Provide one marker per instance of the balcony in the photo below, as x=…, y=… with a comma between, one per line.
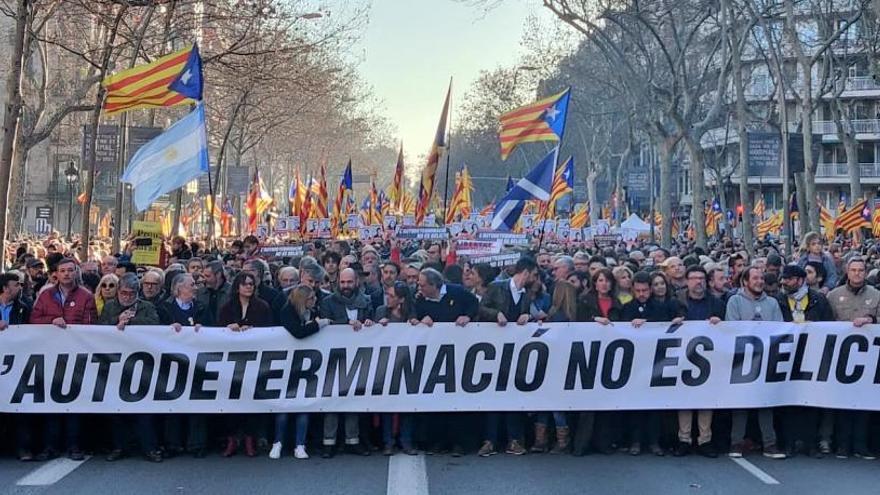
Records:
x=841, y=170
x=861, y=126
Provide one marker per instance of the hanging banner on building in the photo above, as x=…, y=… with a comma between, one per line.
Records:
x=479, y=367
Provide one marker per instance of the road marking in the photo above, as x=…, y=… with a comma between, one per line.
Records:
x=407, y=475
x=50, y=473
x=755, y=471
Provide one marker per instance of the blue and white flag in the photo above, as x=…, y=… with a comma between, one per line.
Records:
x=536, y=185
x=170, y=160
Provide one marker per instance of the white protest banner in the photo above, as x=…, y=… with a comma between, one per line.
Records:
x=479, y=367
x=497, y=260
x=506, y=238
x=472, y=248
x=280, y=251
x=420, y=233
x=287, y=224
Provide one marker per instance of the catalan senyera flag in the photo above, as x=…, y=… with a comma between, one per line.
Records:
x=875, y=221
x=321, y=196
x=258, y=201
x=104, y=226
x=395, y=193
x=772, y=225
x=375, y=205
x=426, y=185
x=563, y=183
x=175, y=79
x=488, y=209
x=841, y=204
x=581, y=216
x=345, y=185
x=826, y=220
x=793, y=210
x=408, y=205
x=461, y=205
x=759, y=208
x=855, y=218
x=451, y=207
x=543, y=120
x=306, y=211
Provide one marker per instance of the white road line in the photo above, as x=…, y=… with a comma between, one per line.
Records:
x=755, y=471
x=407, y=475
x=50, y=473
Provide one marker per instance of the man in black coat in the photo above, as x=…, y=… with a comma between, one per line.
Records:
x=438, y=301
x=13, y=311
x=800, y=304
x=508, y=301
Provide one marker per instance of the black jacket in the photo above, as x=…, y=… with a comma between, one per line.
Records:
x=818, y=307
x=588, y=308
x=498, y=299
x=457, y=301
x=20, y=313
x=258, y=313
x=170, y=312
x=294, y=324
x=651, y=310
x=333, y=307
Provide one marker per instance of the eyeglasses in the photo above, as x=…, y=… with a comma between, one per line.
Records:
x=107, y=286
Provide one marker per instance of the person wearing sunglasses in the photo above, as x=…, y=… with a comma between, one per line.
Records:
x=106, y=291
x=244, y=311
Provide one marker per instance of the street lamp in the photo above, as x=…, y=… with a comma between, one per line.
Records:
x=72, y=176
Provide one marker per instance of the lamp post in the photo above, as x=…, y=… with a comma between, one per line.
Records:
x=72, y=176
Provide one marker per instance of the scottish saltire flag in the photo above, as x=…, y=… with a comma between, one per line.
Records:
x=170, y=160
x=535, y=185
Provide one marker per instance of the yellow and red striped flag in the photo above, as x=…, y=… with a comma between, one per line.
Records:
x=759, y=209
x=543, y=120
x=258, y=201
x=772, y=225
x=147, y=85
x=395, y=193
x=826, y=220
x=426, y=186
x=855, y=218
x=581, y=216
x=321, y=196
x=875, y=222
x=563, y=182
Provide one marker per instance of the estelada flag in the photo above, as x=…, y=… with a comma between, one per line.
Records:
x=175, y=79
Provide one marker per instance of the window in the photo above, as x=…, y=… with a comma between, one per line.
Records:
x=866, y=153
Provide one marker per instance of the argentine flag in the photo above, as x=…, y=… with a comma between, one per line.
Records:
x=170, y=160
x=534, y=186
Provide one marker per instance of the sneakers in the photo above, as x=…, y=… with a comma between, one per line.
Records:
x=388, y=450
x=300, y=452
x=115, y=455
x=327, y=451
x=275, y=453
x=514, y=448
x=736, y=450
x=487, y=449
x=457, y=451
x=825, y=447
x=154, y=456
x=842, y=453
x=864, y=454
x=657, y=450
x=773, y=452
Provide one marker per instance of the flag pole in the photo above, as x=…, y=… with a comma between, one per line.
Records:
x=448, y=154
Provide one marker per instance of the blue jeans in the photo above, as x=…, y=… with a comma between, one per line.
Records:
x=513, y=422
x=302, y=427
x=559, y=419
x=407, y=425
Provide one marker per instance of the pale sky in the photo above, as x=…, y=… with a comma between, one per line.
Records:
x=412, y=47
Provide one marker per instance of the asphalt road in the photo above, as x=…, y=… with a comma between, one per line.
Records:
x=420, y=475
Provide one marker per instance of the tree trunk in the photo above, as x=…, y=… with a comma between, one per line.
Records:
x=698, y=189
x=665, y=150
x=592, y=197
x=18, y=183
x=11, y=118
x=810, y=211
x=89, y=184
x=742, y=132
x=852, y=164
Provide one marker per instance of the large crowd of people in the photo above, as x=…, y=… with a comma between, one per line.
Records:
x=422, y=282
